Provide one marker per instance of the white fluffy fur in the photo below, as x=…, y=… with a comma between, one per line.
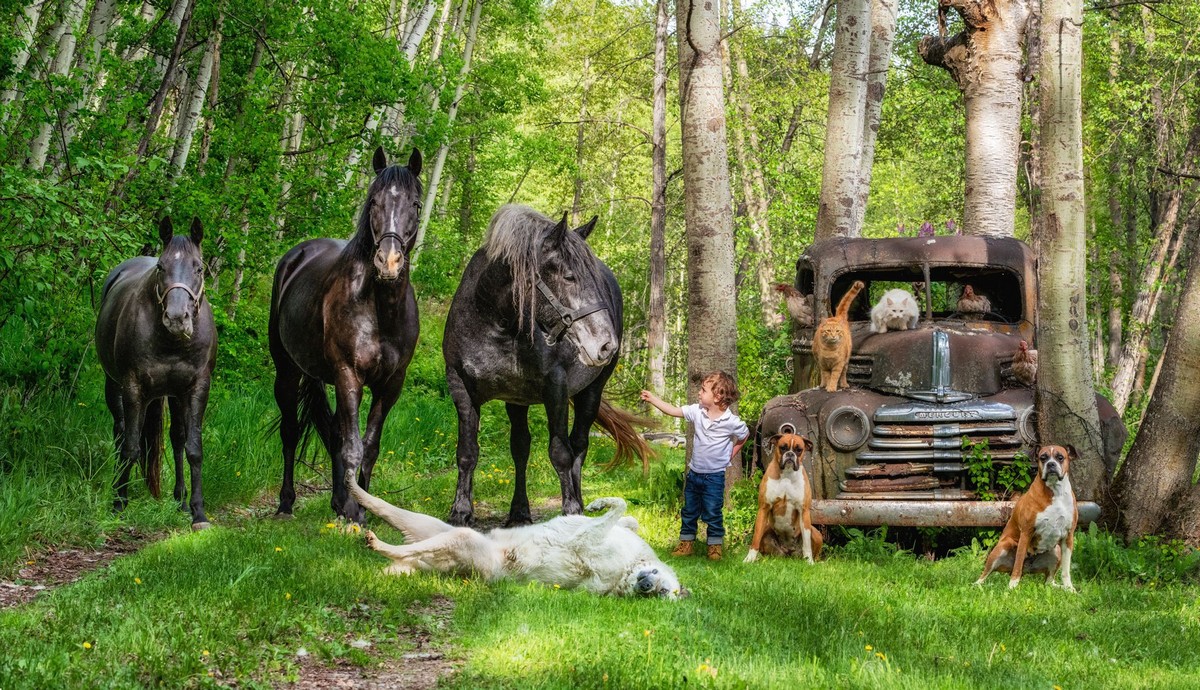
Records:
x=897, y=310
x=603, y=555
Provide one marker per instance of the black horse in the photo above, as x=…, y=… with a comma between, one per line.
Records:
x=536, y=320
x=343, y=313
x=155, y=339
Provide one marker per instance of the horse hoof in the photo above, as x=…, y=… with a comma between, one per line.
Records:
x=204, y=524
x=283, y=516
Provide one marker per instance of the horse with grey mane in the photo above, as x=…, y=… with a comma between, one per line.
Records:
x=343, y=313
x=536, y=320
x=156, y=342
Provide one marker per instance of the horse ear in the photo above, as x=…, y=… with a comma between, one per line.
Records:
x=414, y=162
x=379, y=160
x=559, y=231
x=165, y=230
x=587, y=228
x=197, y=231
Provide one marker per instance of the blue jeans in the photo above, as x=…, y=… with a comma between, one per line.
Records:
x=703, y=498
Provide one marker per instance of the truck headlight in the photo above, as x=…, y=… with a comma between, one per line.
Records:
x=847, y=428
x=1027, y=426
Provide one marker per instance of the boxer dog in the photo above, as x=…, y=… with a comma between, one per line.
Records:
x=1040, y=533
x=785, y=502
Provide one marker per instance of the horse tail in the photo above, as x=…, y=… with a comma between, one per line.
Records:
x=620, y=425
x=152, y=447
x=314, y=413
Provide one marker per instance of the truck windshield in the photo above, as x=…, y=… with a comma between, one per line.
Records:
x=1000, y=289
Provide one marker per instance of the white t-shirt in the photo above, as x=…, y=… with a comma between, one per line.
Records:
x=713, y=441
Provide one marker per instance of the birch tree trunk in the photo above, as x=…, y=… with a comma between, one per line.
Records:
x=194, y=104
x=986, y=63
x=838, y=213
x=64, y=57
x=408, y=48
x=1157, y=475
x=754, y=184
x=708, y=213
x=577, y=200
x=88, y=67
x=1145, y=305
x=656, y=326
x=440, y=164
x=24, y=31
x=883, y=31
x=1066, y=399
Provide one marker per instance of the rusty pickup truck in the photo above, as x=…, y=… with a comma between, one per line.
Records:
x=895, y=448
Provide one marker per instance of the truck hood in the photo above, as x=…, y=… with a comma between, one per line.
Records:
x=938, y=362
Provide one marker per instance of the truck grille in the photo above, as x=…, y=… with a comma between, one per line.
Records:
x=916, y=450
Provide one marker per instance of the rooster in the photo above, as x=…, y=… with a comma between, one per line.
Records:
x=973, y=303
x=1024, y=364
x=799, y=305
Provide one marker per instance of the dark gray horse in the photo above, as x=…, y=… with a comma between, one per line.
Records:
x=344, y=314
x=536, y=320
x=155, y=339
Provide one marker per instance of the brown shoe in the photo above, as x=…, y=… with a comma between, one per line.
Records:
x=684, y=549
x=714, y=552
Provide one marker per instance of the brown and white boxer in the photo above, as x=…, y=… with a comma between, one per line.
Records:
x=1040, y=533
x=784, y=524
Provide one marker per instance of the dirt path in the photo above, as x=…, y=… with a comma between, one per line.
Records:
x=59, y=567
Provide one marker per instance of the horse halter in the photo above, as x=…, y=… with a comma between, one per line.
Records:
x=196, y=295
x=566, y=317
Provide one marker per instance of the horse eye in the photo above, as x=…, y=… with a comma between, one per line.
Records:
x=569, y=277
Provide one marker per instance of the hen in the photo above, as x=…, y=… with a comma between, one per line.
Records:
x=799, y=305
x=1024, y=364
x=973, y=303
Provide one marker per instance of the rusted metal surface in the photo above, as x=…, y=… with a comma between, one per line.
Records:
x=913, y=483
x=894, y=470
x=931, y=513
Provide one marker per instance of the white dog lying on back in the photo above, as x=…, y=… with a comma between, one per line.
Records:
x=603, y=554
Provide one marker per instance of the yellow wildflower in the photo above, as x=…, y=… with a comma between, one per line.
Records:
x=287, y=595
x=137, y=580
x=204, y=652
x=646, y=633
x=87, y=645
x=869, y=648
x=278, y=548
x=330, y=525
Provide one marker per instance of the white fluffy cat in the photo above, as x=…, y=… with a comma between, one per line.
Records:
x=897, y=309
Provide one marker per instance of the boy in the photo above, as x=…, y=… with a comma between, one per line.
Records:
x=717, y=438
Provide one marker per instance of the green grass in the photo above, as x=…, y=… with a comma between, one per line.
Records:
x=252, y=591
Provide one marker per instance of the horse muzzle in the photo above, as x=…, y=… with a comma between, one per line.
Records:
x=389, y=265
x=180, y=326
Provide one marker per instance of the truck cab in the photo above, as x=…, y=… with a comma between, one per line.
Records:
x=903, y=444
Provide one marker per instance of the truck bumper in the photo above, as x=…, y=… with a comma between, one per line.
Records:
x=926, y=513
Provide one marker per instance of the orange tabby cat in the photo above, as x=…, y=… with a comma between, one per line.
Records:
x=831, y=345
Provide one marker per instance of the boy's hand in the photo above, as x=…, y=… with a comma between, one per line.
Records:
x=663, y=406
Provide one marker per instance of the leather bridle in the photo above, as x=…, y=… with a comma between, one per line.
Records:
x=566, y=317
x=196, y=295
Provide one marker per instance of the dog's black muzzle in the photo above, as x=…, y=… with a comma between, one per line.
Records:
x=789, y=460
x=647, y=582
x=1052, y=468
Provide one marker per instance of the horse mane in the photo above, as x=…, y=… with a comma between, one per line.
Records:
x=363, y=243
x=515, y=236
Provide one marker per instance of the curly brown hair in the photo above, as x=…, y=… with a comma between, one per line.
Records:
x=724, y=388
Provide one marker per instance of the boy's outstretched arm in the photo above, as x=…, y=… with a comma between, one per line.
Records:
x=662, y=405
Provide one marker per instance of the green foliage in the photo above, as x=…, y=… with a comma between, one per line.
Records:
x=995, y=480
x=869, y=546
x=1150, y=561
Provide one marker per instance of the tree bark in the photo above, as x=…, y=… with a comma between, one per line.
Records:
x=1153, y=486
x=985, y=61
x=64, y=57
x=88, y=67
x=25, y=30
x=883, y=31
x=1066, y=399
x=193, y=105
x=656, y=327
x=1145, y=305
x=838, y=213
x=440, y=164
x=708, y=213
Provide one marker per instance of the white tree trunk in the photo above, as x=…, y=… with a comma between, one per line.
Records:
x=986, y=60
x=137, y=51
x=440, y=164
x=883, y=31
x=656, y=328
x=88, y=66
x=194, y=104
x=708, y=212
x=24, y=31
x=64, y=57
x=1066, y=398
x=838, y=213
